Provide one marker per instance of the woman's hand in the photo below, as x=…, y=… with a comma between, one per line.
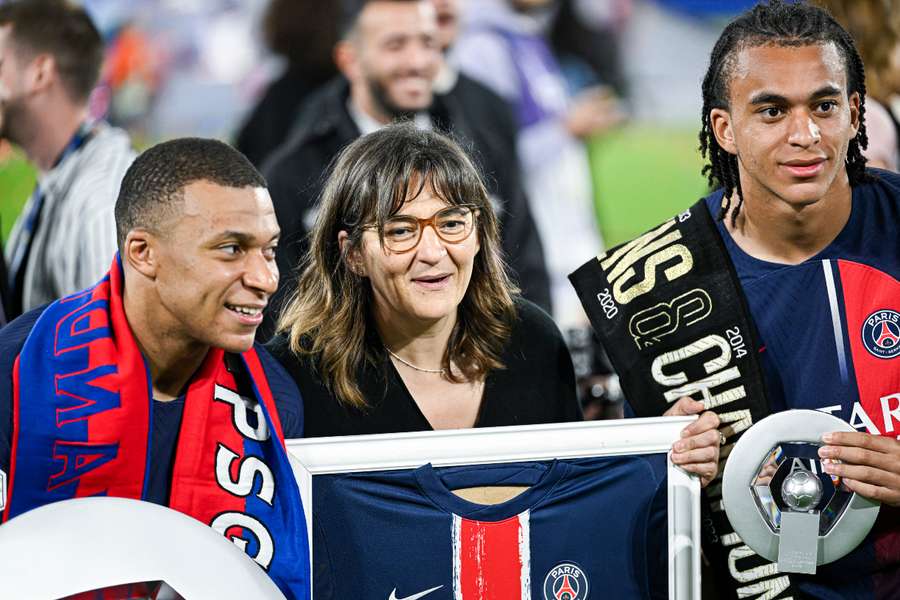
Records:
x=698, y=449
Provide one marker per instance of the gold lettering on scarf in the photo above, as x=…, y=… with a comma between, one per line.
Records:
x=620, y=265
x=650, y=325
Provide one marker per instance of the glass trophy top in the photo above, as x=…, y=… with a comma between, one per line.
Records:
x=790, y=478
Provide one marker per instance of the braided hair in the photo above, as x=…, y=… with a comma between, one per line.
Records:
x=780, y=24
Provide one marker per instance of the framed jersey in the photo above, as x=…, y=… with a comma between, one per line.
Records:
x=590, y=510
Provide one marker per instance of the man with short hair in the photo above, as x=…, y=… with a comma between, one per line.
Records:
x=808, y=239
x=390, y=57
x=50, y=59
x=148, y=385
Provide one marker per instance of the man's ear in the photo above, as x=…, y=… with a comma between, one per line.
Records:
x=720, y=121
x=41, y=72
x=351, y=254
x=854, y=112
x=346, y=58
x=140, y=251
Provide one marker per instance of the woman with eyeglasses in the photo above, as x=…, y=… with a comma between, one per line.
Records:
x=404, y=317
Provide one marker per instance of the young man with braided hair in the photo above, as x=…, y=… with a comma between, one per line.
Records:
x=805, y=236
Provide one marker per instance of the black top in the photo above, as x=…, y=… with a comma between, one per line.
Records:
x=166, y=415
x=297, y=170
x=537, y=386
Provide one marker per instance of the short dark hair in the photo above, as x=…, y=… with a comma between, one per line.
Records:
x=352, y=9
x=65, y=31
x=304, y=32
x=776, y=23
x=156, y=179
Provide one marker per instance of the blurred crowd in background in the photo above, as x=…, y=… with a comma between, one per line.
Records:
x=604, y=94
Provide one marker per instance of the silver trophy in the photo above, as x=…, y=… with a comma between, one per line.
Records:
x=781, y=502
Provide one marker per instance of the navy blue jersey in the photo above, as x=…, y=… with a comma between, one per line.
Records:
x=829, y=330
x=585, y=528
x=166, y=415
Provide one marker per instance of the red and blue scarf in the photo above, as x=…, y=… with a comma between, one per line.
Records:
x=82, y=418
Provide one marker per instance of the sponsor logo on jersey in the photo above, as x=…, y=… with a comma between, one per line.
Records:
x=566, y=581
x=422, y=594
x=881, y=333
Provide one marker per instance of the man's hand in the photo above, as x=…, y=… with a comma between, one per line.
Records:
x=592, y=112
x=869, y=464
x=698, y=449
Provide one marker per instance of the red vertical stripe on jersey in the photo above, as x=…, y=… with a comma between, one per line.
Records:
x=490, y=560
x=867, y=290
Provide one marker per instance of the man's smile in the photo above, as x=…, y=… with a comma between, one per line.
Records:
x=248, y=314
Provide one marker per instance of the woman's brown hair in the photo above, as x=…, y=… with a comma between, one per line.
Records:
x=328, y=315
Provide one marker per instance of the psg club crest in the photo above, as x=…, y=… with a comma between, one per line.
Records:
x=566, y=581
x=881, y=333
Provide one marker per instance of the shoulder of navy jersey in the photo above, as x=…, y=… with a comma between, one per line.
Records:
x=12, y=338
x=287, y=396
x=887, y=178
x=881, y=196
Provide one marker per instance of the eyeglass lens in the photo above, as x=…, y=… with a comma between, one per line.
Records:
x=453, y=224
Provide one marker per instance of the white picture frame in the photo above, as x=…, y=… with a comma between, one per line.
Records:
x=489, y=445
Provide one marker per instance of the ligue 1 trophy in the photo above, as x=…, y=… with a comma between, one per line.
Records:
x=781, y=502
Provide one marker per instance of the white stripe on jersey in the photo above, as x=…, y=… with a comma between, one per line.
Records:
x=836, y=319
x=525, y=551
x=456, y=535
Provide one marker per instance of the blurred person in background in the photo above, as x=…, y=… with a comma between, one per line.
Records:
x=586, y=35
x=50, y=59
x=502, y=45
x=875, y=27
x=893, y=79
x=389, y=57
x=486, y=110
x=130, y=82
x=493, y=119
x=304, y=33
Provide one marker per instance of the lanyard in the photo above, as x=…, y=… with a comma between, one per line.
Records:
x=23, y=242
